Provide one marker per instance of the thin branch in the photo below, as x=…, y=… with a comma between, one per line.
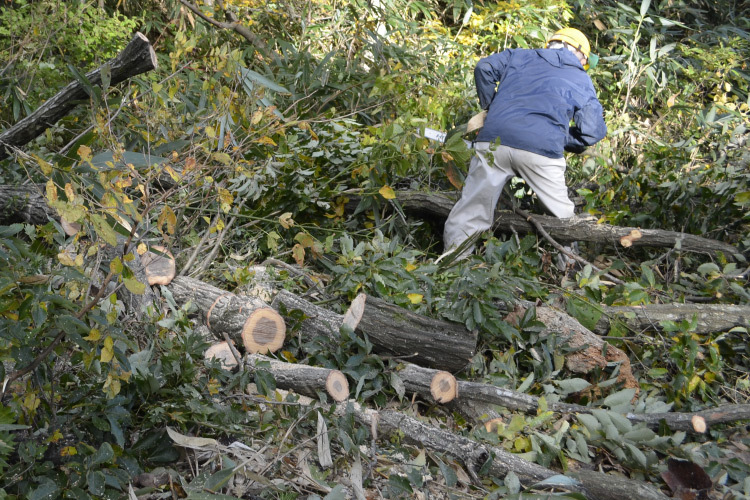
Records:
x=529, y=218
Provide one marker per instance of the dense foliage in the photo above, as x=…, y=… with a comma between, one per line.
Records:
x=290, y=145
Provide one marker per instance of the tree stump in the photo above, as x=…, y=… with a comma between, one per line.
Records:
x=223, y=353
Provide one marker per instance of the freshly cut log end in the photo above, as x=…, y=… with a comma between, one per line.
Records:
x=159, y=266
x=699, y=424
x=222, y=352
x=443, y=387
x=264, y=331
x=353, y=315
x=337, y=386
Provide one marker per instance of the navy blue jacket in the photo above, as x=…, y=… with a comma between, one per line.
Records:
x=539, y=92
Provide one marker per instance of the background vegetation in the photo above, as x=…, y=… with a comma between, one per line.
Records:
x=268, y=141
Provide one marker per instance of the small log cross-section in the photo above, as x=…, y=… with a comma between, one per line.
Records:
x=441, y=385
x=159, y=265
x=302, y=379
x=136, y=58
x=247, y=321
x=415, y=338
x=223, y=353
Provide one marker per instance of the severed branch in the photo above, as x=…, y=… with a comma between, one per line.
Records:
x=710, y=318
x=136, y=58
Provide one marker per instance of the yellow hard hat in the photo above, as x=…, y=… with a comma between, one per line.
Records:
x=572, y=37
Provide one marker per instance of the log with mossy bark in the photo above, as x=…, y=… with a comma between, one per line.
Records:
x=439, y=205
x=248, y=322
x=136, y=58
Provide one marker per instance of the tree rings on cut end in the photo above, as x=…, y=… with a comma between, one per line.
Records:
x=337, y=386
x=158, y=265
x=264, y=331
x=222, y=352
x=443, y=387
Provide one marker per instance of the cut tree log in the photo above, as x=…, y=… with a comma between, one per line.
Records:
x=159, y=265
x=136, y=58
x=439, y=385
x=302, y=379
x=24, y=204
x=495, y=460
x=318, y=320
x=412, y=337
x=566, y=230
x=710, y=318
x=249, y=322
x=476, y=399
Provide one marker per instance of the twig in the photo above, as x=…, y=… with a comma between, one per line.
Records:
x=234, y=350
x=559, y=247
x=233, y=26
x=311, y=282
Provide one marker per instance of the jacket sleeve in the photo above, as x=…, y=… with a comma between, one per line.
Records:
x=487, y=74
x=589, y=127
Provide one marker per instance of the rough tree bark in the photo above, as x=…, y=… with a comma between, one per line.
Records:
x=136, y=58
x=24, y=204
x=593, y=485
x=413, y=337
x=248, y=322
x=565, y=230
x=590, y=347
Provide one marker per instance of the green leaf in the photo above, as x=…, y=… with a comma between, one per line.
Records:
x=512, y=483
x=103, y=229
x=587, y=314
x=104, y=454
x=618, y=398
x=44, y=491
x=644, y=7
x=572, y=385
x=134, y=286
x=250, y=75
x=220, y=479
x=96, y=482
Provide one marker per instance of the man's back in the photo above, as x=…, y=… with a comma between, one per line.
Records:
x=539, y=92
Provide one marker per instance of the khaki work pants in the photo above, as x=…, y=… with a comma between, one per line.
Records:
x=490, y=169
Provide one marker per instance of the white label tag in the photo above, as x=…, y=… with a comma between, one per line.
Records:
x=435, y=135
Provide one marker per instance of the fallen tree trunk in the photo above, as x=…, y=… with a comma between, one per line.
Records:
x=318, y=320
x=302, y=379
x=710, y=317
x=590, y=348
x=566, y=230
x=136, y=58
x=475, y=398
x=249, y=322
x=410, y=336
x=474, y=455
